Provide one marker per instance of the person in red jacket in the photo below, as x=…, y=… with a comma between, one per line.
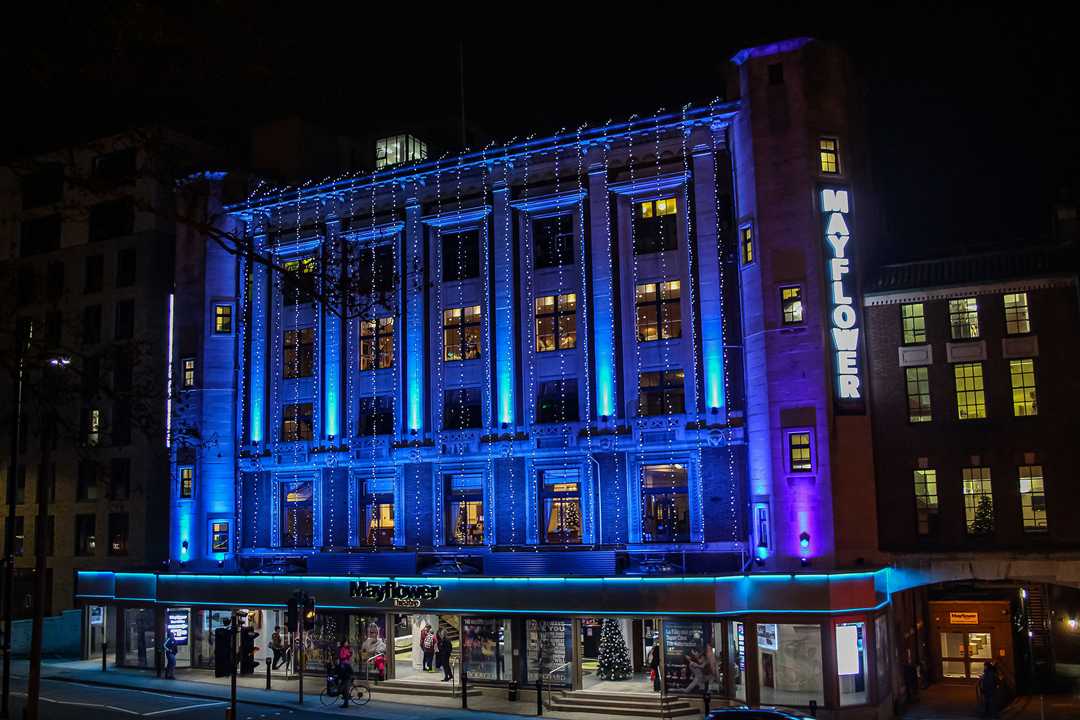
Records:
x=428, y=645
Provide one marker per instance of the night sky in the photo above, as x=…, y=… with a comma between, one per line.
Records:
x=973, y=110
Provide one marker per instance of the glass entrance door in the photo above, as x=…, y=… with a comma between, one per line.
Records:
x=963, y=653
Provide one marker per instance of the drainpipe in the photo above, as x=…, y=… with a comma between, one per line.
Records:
x=599, y=504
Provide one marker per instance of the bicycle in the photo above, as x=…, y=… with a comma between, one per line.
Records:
x=359, y=693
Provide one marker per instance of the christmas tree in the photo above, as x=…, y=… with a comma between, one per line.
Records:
x=614, y=663
x=983, y=522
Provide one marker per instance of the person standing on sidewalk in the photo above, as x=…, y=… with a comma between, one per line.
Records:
x=988, y=685
x=170, y=648
x=427, y=645
x=446, y=648
x=277, y=647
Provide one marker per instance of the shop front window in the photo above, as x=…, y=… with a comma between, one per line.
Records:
x=690, y=660
x=464, y=510
x=551, y=648
x=297, y=514
x=789, y=664
x=486, y=648
x=665, y=516
x=138, y=638
x=851, y=663
x=737, y=659
x=561, y=519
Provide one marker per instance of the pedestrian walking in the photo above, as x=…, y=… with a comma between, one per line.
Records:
x=654, y=666
x=277, y=646
x=170, y=649
x=988, y=685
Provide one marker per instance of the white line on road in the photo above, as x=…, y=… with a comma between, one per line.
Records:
x=185, y=707
x=81, y=704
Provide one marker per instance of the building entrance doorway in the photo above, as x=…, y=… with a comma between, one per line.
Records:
x=964, y=653
x=419, y=646
x=615, y=653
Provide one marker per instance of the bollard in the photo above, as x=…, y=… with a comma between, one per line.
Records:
x=464, y=689
x=813, y=708
x=104, y=656
x=267, y=673
x=708, y=701
x=539, y=697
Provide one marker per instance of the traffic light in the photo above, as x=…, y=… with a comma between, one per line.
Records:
x=292, y=613
x=222, y=652
x=309, y=612
x=247, y=650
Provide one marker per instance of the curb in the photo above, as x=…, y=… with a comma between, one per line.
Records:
x=180, y=692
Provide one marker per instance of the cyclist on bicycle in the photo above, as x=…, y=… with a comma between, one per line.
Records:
x=345, y=672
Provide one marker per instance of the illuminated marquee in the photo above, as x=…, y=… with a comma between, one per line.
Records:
x=843, y=312
x=400, y=595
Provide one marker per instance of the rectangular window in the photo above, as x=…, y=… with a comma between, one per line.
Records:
x=398, y=149
x=461, y=333
x=556, y=322
x=461, y=409
x=553, y=241
x=791, y=305
x=118, y=533
x=558, y=401
x=297, y=282
x=800, y=453
x=20, y=535
x=978, y=501
x=665, y=512
x=560, y=507
x=464, y=510
x=120, y=479
x=914, y=319
x=829, y=151
x=87, y=488
x=376, y=415
x=39, y=236
x=54, y=280
x=94, y=273
x=1032, y=498
x=659, y=312
x=91, y=325
x=187, y=482
x=219, y=536
x=26, y=287
x=187, y=373
x=85, y=525
x=125, y=320
x=297, y=514
x=296, y=422
x=926, y=500
x=747, y=244
x=970, y=394
x=661, y=393
x=378, y=518
x=655, y=226
x=117, y=166
x=115, y=218
x=126, y=263
x=121, y=421
x=1022, y=377
x=375, y=270
x=92, y=425
x=918, y=394
x=1017, y=318
x=298, y=353
x=964, y=319
x=377, y=343
x=223, y=319
x=461, y=256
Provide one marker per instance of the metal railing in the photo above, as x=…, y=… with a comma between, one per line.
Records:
x=548, y=676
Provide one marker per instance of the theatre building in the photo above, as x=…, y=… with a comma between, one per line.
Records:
x=606, y=382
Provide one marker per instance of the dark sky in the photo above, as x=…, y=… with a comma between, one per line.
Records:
x=973, y=110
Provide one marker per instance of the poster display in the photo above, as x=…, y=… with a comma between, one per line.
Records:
x=177, y=622
x=550, y=651
x=483, y=648
x=766, y=636
x=683, y=641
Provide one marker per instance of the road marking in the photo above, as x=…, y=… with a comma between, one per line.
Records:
x=185, y=707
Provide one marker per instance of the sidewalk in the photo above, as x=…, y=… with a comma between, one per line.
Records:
x=492, y=705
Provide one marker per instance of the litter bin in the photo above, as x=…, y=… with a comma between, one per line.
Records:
x=511, y=693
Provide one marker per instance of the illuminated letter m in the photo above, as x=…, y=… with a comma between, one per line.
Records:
x=834, y=201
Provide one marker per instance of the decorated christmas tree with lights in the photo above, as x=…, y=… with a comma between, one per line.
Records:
x=614, y=662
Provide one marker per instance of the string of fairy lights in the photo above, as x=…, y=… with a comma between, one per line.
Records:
x=336, y=247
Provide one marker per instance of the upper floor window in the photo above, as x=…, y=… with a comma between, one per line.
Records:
x=114, y=218
x=461, y=256
x=378, y=517
x=54, y=280
x=377, y=343
x=222, y=319
x=556, y=322
x=800, y=454
x=297, y=422
x=398, y=149
x=375, y=268
x=126, y=267
x=829, y=152
x=120, y=479
x=654, y=226
x=464, y=510
x=659, y=313
x=560, y=514
x=918, y=394
x=299, y=353
x=187, y=373
x=297, y=527
x=661, y=393
x=376, y=415
x=86, y=489
x=219, y=536
x=964, y=319
x=553, y=241
x=39, y=236
x=91, y=324
x=1017, y=319
x=85, y=525
x=298, y=281
x=791, y=305
x=461, y=333
x=558, y=401
x=124, y=326
x=118, y=533
x=665, y=512
x=970, y=392
x=914, y=320
x=978, y=501
x=94, y=273
x=746, y=244
x=926, y=499
x=1022, y=378
x=117, y=166
x=1032, y=498
x=461, y=409
x=187, y=482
